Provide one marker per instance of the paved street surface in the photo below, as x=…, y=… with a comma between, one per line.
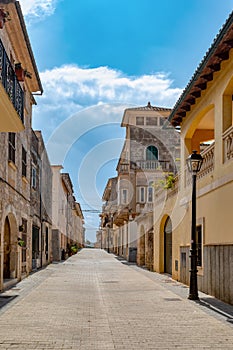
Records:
x=96, y=301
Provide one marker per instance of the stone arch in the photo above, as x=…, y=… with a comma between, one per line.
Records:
x=200, y=130
x=227, y=118
x=141, y=247
x=10, y=247
x=161, y=243
x=168, y=246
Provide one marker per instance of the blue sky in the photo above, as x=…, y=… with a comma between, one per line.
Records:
x=98, y=57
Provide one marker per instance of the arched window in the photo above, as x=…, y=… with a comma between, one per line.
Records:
x=152, y=153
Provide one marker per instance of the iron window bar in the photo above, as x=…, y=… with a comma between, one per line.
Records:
x=10, y=82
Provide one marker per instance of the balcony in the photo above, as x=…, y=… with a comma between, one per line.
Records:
x=121, y=215
x=208, y=161
x=152, y=165
x=228, y=144
x=123, y=168
x=11, y=96
x=207, y=166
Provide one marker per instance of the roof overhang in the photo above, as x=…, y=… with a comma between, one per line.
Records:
x=211, y=63
x=18, y=36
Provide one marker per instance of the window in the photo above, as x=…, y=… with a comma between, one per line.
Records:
x=124, y=199
x=150, y=194
x=152, y=153
x=151, y=121
x=139, y=120
x=162, y=121
x=24, y=162
x=11, y=147
x=24, y=225
x=199, y=244
x=33, y=180
x=142, y=194
x=35, y=242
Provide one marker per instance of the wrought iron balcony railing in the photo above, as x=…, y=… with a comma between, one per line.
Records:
x=10, y=82
x=153, y=165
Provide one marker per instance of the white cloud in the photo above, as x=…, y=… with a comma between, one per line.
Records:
x=103, y=84
x=77, y=104
x=38, y=8
x=70, y=88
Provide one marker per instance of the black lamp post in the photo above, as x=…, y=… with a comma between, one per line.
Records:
x=194, y=163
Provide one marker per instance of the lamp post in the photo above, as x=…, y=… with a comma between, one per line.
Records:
x=194, y=163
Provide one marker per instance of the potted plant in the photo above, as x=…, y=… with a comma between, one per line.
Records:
x=21, y=242
x=21, y=73
x=167, y=182
x=74, y=249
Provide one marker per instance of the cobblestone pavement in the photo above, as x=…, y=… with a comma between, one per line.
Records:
x=95, y=301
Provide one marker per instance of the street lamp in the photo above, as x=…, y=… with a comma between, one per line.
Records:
x=194, y=163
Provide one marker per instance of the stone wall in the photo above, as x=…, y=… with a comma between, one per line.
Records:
x=217, y=276
x=56, y=245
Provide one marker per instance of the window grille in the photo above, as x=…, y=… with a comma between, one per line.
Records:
x=33, y=179
x=11, y=147
x=24, y=162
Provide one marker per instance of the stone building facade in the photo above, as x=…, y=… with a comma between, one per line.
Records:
x=15, y=177
x=150, y=153
x=78, y=230
x=26, y=177
x=41, y=202
x=107, y=237
x=67, y=217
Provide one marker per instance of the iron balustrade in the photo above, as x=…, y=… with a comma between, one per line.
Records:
x=10, y=83
x=153, y=165
x=228, y=144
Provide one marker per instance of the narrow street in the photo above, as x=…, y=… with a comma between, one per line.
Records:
x=95, y=301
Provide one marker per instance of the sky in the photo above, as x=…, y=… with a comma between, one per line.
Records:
x=98, y=57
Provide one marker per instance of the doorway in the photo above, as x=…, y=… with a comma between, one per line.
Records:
x=47, y=243
x=168, y=246
x=7, y=249
x=141, y=247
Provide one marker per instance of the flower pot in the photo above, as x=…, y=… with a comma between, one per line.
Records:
x=20, y=74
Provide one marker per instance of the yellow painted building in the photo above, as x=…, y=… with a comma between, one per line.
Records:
x=204, y=115
x=18, y=71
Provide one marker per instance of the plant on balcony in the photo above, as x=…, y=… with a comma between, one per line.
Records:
x=21, y=242
x=166, y=183
x=4, y=16
x=169, y=181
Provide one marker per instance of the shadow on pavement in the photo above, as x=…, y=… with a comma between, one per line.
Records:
x=218, y=306
x=5, y=299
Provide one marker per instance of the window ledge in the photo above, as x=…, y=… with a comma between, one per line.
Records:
x=12, y=165
x=25, y=179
